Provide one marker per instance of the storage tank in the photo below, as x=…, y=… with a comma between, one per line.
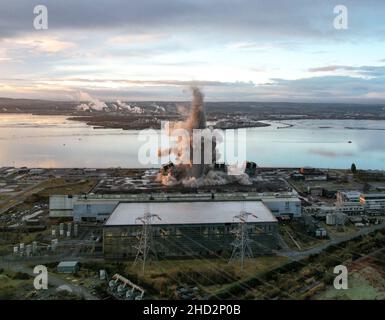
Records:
x=330, y=219
x=28, y=250
x=54, y=243
x=34, y=246
x=340, y=219
x=76, y=230
x=121, y=289
x=130, y=294
x=112, y=284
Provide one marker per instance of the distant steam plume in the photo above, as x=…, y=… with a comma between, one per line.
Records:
x=92, y=103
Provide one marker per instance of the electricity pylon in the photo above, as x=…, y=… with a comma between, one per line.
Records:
x=145, y=238
x=242, y=242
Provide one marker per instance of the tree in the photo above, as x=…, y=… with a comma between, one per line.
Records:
x=353, y=168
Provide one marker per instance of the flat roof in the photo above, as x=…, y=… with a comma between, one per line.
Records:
x=373, y=195
x=291, y=199
x=68, y=264
x=186, y=212
x=351, y=193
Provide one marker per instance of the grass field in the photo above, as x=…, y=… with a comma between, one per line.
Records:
x=209, y=274
x=61, y=186
x=161, y=278
x=366, y=284
x=13, y=286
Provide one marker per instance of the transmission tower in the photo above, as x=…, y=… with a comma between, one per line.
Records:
x=242, y=242
x=145, y=238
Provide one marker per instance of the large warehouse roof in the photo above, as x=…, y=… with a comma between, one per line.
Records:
x=194, y=212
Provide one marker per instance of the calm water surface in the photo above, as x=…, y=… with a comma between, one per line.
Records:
x=53, y=141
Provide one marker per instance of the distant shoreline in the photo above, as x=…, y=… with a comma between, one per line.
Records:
x=145, y=121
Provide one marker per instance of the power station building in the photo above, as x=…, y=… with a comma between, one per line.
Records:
x=188, y=228
x=61, y=206
x=99, y=207
x=93, y=209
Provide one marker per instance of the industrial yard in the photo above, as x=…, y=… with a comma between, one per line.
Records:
x=51, y=216
x=191, y=230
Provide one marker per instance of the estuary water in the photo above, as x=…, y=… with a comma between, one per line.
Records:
x=54, y=141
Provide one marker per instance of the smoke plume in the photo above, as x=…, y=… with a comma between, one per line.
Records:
x=92, y=103
x=185, y=172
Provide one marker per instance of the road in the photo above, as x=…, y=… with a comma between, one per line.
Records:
x=53, y=280
x=20, y=197
x=298, y=255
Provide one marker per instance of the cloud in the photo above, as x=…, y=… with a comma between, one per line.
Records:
x=134, y=39
x=43, y=44
x=325, y=89
x=370, y=71
x=127, y=47
x=330, y=68
x=293, y=19
x=330, y=154
x=4, y=56
x=163, y=82
x=341, y=89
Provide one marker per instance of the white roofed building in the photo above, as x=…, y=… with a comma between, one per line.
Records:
x=189, y=228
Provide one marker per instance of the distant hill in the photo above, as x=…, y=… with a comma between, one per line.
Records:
x=214, y=110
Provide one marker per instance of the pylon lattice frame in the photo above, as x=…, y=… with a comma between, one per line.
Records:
x=145, y=239
x=242, y=242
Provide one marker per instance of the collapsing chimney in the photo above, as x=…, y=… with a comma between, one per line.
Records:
x=198, y=171
x=197, y=120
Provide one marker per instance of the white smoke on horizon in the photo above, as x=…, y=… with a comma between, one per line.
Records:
x=93, y=104
x=125, y=106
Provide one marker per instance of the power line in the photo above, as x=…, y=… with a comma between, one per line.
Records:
x=242, y=242
x=145, y=238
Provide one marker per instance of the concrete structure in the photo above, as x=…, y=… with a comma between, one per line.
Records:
x=99, y=207
x=61, y=206
x=337, y=218
x=93, y=209
x=373, y=202
x=312, y=174
x=194, y=228
x=348, y=196
x=315, y=191
x=320, y=233
x=348, y=208
x=68, y=267
x=283, y=206
x=330, y=219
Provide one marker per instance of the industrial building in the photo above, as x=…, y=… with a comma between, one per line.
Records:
x=68, y=267
x=281, y=206
x=336, y=218
x=348, y=196
x=61, y=206
x=93, y=209
x=99, y=207
x=188, y=228
x=312, y=174
x=348, y=208
x=373, y=202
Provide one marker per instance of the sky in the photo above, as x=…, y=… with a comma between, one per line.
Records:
x=235, y=50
